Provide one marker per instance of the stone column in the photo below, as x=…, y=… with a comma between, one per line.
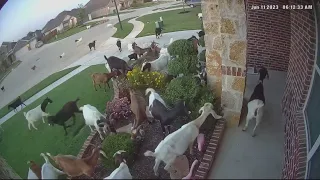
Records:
x=224, y=23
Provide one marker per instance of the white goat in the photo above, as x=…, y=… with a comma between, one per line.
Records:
x=157, y=65
x=62, y=55
x=91, y=115
x=255, y=107
x=154, y=95
x=122, y=172
x=166, y=45
x=78, y=40
x=48, y=171
x=88, y=27
x=176, y=143
x=200, y=16
x=37, y=113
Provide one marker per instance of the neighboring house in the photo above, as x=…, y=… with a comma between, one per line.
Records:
x=38, y=35
x=7, y=55
x=65, y=19
x=25, y=44
x=99, y=8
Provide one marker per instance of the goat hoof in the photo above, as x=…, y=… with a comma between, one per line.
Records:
x=244, y=129
x=253, y=135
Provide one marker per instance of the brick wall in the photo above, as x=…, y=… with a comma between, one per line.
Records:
x=268, y=34
x=301, y=61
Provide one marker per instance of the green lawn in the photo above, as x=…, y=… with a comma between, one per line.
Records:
x=38, y=87
x=173, y=21
x=20, y=145
x=8, y=70
x=127, y=28
x=71, y=32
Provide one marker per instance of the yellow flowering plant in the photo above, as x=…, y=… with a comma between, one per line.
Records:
x=142, y=80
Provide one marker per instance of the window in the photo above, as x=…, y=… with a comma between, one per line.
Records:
x=311, y=110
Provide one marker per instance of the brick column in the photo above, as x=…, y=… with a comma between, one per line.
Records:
x=224, y=23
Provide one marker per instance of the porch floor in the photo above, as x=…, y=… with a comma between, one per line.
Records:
x=241, y=156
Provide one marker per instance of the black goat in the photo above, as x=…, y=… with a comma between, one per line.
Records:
x=118, y=64
x=166, y=116
x=158, y=32
x=2, y=89
x=263, y=73
x=119, y=45
x=65, y=114
x=201, y=33
x=92, y=45
x=133, y=56
x=18, y=102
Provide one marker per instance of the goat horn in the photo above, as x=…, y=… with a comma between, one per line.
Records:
x=103, y=153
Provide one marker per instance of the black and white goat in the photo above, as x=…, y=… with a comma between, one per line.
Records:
x=2, y=88
x=133, y=56
x=37, y=113
x=158, y=32
x=255, y=107
x=122, y=172
x=64, y=114
x=202, y=76
x=263, y=73
x=18, y=102
x=92, y=45
x=118, y=64
x=159, y=64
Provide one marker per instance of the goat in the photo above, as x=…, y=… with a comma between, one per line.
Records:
x=78, y=40
x=88, y=27
x=138, y=50
x=195, y=42
x=177, y=143
x=91, y=116
x=130, y=47
x=18, y=102
x=2, y=89
x=119, y=45
x=156, y=65
x=92, y=45
x=103, y=78
x=62, y=55
x=34, y=67
x=122, y=172
x=201, y=33
x=255, y=107
x=192, y=169
x=158, y=32
x=64, y=115
x=34, y=170
x=74, y=166
x=200, y=16
x=154, y=95
x=118, y=64
x=37, y=113
x=263, y=73
x=138, y=107
x=133, y=56
x=48, y=171
x=202, y=76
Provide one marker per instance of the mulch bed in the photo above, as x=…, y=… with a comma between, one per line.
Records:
x=142, y=168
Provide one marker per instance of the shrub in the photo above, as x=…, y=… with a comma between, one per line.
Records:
x=202, y=56
x=187, y=89
x=123, y=87
x=119, y=108
x=186, y=64
x=115, y=142
x=202, y=42
x=142, y=80
x=181, y=47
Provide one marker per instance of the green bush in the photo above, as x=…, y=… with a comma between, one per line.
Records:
x=202, y=42
x=186, y=64
x=202, y=56
x=113, y=143
x=181, y=47
x=187, y=89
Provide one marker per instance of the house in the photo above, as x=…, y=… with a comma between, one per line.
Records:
x=7, y=57
x=38, y=35
x=99, y=8
x=25, y=44
x=63, y=21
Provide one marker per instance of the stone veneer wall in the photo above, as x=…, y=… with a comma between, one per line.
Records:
x=224, y=23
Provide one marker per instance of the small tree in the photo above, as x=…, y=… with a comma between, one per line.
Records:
x=81, y=14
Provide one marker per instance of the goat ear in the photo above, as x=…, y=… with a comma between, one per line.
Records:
x=201, y=110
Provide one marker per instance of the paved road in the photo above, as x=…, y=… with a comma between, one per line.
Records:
x=47, y=58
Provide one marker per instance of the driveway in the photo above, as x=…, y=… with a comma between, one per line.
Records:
x=47, y=58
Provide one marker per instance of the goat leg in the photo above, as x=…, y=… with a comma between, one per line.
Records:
x=65, y=129
x=73, y=119
x=191, y=148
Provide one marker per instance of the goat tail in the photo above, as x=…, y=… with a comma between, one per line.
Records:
x=45, y=157
x=149, y=153
x=105, y=57
x=103, y=153
x=25, y=114
x=150, y=90
x=77, y=99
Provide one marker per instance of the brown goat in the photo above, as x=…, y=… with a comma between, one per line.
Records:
x=138, y=107
x=74, y=166
x=138, y=50
x=102, y=78
x=35, y=168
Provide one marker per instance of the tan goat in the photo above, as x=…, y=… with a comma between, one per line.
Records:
x=74, y=166
x=102, y=78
